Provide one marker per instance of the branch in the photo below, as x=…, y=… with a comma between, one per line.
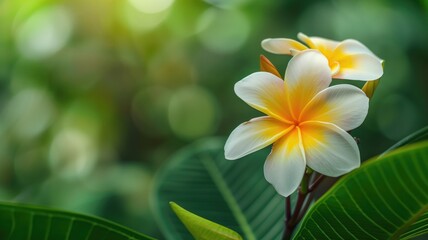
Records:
x=315, y=184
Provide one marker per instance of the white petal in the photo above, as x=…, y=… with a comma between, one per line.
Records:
x=356, y=61
x=307, y=74
x=254, y=135
x=285, y=166
x=329, y=150
x=359, y=66
x=304, y=38
x=351, y=46
x=325, y=46
x=264, y=92
x=282, y=45
x=343, y=105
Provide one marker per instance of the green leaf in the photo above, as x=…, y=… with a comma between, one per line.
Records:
x=201, y=228
x=386, y=198
x=18, y=221
x=232, y=193
x=420, y=135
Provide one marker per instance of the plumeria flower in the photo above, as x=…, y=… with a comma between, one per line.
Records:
x=348, y=59
x=306, y=121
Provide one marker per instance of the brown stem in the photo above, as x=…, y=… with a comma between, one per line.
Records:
x=315, y=184
x=304, y=199
x=288, y=208
x=291, y=221
x=305, y=206
x=300, y=199
x=287, y=233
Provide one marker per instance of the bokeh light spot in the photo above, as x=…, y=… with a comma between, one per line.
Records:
x=29, y=113
x=192, y=112
x=222, y=30
x=72, y=154
x=151, y=6
x=44, y=33
x=140, y=21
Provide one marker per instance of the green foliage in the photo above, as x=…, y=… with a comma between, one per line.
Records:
x=418, y=136
x=19, y=221
x=201, y=228
x=386, y=198
x=233, y=193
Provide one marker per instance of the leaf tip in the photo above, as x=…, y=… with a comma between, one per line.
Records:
x=201, y=228
x=176, y=208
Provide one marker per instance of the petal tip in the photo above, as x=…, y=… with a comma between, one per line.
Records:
x=301, y=36
x=229, y=157
x=228, y=151
x=265, y=44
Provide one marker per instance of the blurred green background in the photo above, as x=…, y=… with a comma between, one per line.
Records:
x=95, y=96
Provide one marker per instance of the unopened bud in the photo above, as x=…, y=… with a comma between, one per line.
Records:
x=370, y=86
x=267, y=66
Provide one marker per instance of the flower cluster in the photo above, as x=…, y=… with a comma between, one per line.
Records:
x=307, y=120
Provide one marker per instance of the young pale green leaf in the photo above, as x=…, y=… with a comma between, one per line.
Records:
x=201, y=228
x=18, y=221
x=232, y=193
x=386, y=198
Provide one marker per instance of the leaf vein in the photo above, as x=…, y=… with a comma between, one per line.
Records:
x=379, y=212
x=350, y=217
x=363, y=212
x=383, y=199
x=228, y=196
